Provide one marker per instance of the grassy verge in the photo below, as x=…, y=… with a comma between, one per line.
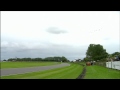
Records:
x=99, y=72
x=5, y=65
x=68, y=72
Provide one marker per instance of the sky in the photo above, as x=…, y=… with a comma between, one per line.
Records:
x=58, y=33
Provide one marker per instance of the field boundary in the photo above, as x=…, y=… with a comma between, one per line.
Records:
x=81, y=76
x=113, y=65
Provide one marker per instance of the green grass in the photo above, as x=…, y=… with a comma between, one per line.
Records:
x=5, y=65
x=99, y=72
x=67, y=72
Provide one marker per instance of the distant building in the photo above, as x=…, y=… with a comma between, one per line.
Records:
x=3, y=60
x=78, y=60
x=73, y=60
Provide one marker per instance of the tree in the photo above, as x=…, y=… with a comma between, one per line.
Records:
x=86, y=59
x=96, y=52
x=64, y=59
x=4, y=60
x=115, y=54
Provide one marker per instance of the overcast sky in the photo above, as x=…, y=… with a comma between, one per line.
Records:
x=58, y=33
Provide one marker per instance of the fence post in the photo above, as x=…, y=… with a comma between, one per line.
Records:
x=111, y=64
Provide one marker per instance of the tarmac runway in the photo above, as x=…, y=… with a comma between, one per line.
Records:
x=12, y=71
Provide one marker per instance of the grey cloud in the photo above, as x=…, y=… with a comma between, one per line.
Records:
x=55, y=30
x=51, y=50
x=70, y=52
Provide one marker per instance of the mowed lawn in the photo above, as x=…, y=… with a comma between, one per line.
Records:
x=5, y=65
x=99, y=72
x=67, y=72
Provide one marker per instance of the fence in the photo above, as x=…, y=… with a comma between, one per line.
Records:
x=100, y=64
x=113, y=65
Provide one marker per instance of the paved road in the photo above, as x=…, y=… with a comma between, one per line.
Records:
x=5, y=72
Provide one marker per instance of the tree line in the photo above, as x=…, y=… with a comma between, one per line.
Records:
x=94, y=52
x=55, y=59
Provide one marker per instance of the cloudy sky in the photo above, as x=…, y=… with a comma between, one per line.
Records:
x=58, y=33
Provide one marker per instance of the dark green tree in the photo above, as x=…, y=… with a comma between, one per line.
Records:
x=64, y=59
x=115, y=54
x=96, y=52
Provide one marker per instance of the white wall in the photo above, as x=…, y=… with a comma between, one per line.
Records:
x=113, y=65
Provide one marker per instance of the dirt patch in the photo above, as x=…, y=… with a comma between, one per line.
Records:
x=81, y=76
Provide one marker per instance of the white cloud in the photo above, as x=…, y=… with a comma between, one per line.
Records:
x=74, y=31
x=55, y=30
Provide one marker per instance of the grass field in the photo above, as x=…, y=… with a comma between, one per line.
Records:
x=5, y=65
x=68, y=72
x=99, y=72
